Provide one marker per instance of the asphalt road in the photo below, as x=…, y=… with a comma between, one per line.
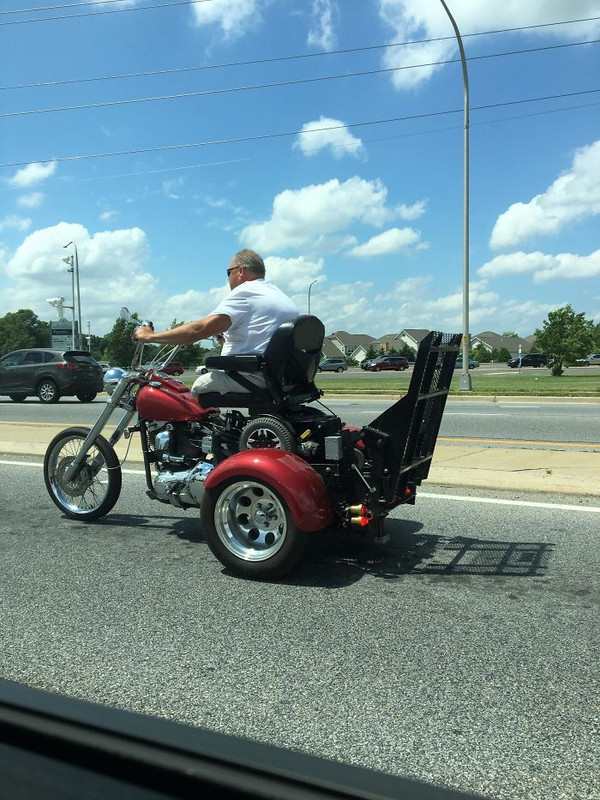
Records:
x=502, y=421
x=463, y=653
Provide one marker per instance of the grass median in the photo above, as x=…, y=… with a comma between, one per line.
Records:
x=523, y=384
x=509, y=384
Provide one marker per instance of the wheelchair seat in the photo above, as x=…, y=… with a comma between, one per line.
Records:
x=288, y=366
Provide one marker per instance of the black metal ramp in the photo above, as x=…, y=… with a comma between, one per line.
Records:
x=401, y=441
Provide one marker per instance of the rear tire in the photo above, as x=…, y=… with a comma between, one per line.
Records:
x=86, y=397
x=249, y=529
x=95, y=489
x=18, y=397
x=48, y=391
x=269, y=432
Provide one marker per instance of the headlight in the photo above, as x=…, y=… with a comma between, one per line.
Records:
x=111, y=377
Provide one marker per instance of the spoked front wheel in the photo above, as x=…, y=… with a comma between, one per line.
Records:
x=95, y=488
x=249, y=528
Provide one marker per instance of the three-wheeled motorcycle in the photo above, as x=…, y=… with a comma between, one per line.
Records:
x=267, y=468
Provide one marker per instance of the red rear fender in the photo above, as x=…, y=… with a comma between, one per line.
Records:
x=299, y=485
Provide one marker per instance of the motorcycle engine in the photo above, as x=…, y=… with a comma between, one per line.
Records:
x=180, y=459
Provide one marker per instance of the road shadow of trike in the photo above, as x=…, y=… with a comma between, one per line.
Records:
x=337, y=560
x=334, y=559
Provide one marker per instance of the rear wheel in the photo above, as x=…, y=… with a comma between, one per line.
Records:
x=267, y=432
x=47, y=391
x=86, y=397
x=248, y=527
x=18, y=397
x=95, y=488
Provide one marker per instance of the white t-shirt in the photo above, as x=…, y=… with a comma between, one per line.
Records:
x=256, y=309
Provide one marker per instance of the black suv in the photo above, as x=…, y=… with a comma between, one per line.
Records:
x=528, y=360
x=50, y=374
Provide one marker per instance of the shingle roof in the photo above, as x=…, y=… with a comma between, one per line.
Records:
x=352, y=339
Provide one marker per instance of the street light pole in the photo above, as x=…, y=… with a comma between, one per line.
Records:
x=80, y=336
x=465, y=378
x=308, y=299
x=72, y=271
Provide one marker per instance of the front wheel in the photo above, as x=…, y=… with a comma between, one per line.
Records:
x=18, y=397
x=250, y=530
x=86, y=397
x=95, y=488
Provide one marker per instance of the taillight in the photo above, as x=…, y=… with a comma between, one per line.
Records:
x=67, y=365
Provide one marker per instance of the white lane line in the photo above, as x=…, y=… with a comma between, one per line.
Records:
x=431, y=495
x=500, y=502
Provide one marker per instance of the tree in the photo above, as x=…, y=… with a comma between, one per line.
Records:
x=510, y=335
x=565, y=337
x=500, y=354
x=23, y=328
x=481, y=353
x=119, y=347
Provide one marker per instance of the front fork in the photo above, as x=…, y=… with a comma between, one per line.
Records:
x=88, y=442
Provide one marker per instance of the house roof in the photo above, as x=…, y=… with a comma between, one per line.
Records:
x=416, y=334
x=495, y=340
x=352, y=339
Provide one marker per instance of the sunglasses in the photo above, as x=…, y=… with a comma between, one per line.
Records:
x=230, y=270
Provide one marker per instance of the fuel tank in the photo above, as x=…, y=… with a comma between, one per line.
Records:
x=170, y=401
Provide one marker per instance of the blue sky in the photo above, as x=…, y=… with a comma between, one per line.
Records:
x=255, y=130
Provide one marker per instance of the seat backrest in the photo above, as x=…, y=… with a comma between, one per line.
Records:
x=293, y=353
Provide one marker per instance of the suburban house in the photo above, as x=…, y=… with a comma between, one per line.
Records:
x=413, y=337
x=355, y=345
x=350, y=345
x=491, y=341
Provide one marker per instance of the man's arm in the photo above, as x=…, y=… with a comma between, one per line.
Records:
x=185, y=334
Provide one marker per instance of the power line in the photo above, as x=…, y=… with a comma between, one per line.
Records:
x=259, y=137
x=273, y=85
x=94, y=13
x=275, y=59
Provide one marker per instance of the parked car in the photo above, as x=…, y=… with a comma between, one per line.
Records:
x=106, y=365
x=472, y=363
x=592, y=360
x=50, y=374
x=398, y=363
x=333, y=365
x=528, y=360
x=174, y=368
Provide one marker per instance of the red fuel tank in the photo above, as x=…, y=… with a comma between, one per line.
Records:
x=171, y=402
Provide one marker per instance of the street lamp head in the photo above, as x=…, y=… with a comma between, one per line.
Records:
x=67, y=259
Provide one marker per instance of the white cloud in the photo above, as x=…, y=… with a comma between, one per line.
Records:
x=543, y=267
x=412, y=212
x=32, y=174
x=321, y=33
x=106, y=215
x=110, y=270
x=301, y=217
x=15, y=222
x=391, y=241
x=413, y=19
x=32, y=200
x=234, y=17
x=574, y=196
x=315, y=137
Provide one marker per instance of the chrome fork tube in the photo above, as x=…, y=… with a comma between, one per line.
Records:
x=96, y=430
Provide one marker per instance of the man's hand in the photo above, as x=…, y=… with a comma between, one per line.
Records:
x=142, y=333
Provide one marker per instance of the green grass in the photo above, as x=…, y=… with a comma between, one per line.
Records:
x=510, y=384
